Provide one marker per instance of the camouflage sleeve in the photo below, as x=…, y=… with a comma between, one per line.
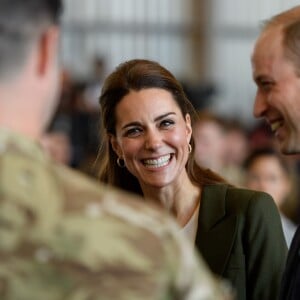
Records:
x=193, y=278
x=80, y=242
x=101, y=257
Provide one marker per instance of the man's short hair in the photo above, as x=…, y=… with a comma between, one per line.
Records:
x=21, y=23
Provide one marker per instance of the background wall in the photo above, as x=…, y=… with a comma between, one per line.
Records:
x=207, y=44
x=123, y=29
x=233, y=28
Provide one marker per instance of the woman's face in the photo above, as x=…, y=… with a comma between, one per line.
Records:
x=152, y=136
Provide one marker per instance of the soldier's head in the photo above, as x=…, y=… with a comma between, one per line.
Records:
x=29, y=31
x=276, y=71
x=22, y=22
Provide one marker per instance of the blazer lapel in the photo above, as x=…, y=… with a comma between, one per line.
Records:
x=291, y=263
x=216, y=231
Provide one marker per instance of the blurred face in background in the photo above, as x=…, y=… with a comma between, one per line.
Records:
x=209, y=141
x=237, y=147
x=58, y=146
x=265, y=173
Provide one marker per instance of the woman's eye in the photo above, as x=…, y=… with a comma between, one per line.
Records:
x=167, y=123
x=132, y=132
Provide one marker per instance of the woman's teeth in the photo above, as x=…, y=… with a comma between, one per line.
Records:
x=156, y=163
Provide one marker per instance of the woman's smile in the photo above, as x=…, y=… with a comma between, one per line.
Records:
x=154, y=163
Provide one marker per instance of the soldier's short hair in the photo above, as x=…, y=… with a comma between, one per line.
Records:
x=21, y=23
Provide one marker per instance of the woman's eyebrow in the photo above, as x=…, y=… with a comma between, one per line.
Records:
x=156, y=119
x=164, y=115
x=131, y=124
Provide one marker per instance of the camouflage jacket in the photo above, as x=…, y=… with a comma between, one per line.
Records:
x=63, y=236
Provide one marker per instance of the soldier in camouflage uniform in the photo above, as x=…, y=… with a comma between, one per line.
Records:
x=63, y=236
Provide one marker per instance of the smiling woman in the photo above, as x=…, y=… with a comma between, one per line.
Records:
x=153, y=138
x=147, y=121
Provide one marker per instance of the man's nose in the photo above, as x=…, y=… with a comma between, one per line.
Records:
x=260, y=105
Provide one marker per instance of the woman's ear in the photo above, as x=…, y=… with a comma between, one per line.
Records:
x=115, y=145
x=189, y=129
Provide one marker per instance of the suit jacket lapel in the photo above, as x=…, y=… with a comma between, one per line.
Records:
x=291, y=263
x=216, y=231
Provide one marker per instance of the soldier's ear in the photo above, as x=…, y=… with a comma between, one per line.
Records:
x=47, y=49
x=115, y=145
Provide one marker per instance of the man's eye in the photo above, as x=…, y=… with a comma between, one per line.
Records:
x=266, y=85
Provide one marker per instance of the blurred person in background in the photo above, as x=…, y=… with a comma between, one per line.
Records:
x=63, y=236
x=210, y=143
x=267, y=171
x=275, y=69
x=219, y=146
x=237, y=142
x=58, y=146
x=94, y=85
x=147, y=122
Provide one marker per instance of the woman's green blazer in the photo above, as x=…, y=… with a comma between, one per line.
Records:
x=240, y=236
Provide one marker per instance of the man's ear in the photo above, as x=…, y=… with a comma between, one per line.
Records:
x=115, y=145
x=47, y=49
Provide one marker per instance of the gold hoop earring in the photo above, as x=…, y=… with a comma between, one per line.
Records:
x=121, y=162
x=190, y=148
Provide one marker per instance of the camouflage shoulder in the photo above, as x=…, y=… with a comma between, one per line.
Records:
x=63, y=233
x=153, y=229
x=81, y=191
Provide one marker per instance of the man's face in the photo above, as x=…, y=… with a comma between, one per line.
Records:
x=278, y=90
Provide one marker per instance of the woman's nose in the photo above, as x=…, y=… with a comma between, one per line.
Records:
x=153, y=140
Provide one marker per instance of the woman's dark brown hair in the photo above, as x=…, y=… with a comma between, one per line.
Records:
x=135, y=75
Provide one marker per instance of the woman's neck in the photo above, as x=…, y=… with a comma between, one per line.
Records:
x=182, y=199
x=186, y=204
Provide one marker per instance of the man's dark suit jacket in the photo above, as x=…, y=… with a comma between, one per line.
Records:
x=240, y=236
x=290, y=289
